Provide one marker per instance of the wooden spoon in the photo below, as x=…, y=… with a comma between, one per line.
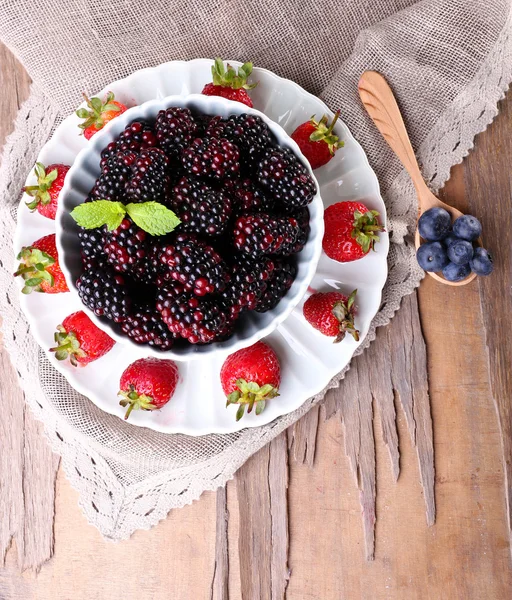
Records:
x=379, y=101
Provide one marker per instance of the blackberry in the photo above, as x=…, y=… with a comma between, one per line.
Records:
x=94, y=262
x=248, y=282
x=211, y=158
x=282, y=278
x=248, y=198
x=260, y=234
x=104, y=292
x=201, y=208
x=175, y=129
x=302, y=217
x=249, y=132
x=145, y=326
x=116, y=173
x=150, y=180
x=92, y=242
x=203, y=122
x=125, y=247
x=195, y=264
x=137, y=136
x=150, y=268
x=286, y=178
x=198, y=320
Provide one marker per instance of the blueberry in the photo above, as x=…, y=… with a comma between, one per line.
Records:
x=432, y=256
x=434, y=224
x=481, y=263
x=453, y=272
x=460, y=252
x=449, y=239
x=467, y=227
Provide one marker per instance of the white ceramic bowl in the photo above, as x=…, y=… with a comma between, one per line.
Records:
x=251, y=326
x=308, y=359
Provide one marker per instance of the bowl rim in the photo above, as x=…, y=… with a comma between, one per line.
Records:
x=96, y=145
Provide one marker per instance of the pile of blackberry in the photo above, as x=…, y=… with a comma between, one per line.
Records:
x=242, y=201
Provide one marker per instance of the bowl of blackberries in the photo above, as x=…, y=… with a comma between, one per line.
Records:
x=190, y=225
x=452, y=250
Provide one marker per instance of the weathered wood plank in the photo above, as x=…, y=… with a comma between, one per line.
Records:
x=465, y=554
x=255, y=528
x=377, y=365
x=27, y=467
x=220, y=583
x=263, y=522
x=173, y=560
x=357, y=417
x=410, y=380
x=278, y=485
x=302, y=437
x=489, y=194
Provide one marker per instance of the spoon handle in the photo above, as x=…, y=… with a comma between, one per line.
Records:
x=379, y=101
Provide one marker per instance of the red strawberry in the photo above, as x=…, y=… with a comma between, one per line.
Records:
x=332, y=313
x=99, y=114
x=148, y=384
x=317, y=141
x=230, y=84
x=251, y=376
x=50, y=180
x=40, y=268
x=79, y=339
x=351, y=231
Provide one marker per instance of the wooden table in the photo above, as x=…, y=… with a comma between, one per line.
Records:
x=241, y=549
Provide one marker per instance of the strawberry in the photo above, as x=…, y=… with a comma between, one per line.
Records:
x=99, y=114
x=350, y=231
x=332, y=313
x=50, y=180
x=79, y=339
x=148, y=384
x=317, y=141
x=229, y=84
x=40, y=268
x=251, y=376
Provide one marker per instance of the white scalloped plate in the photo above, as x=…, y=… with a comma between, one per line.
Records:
x=308, y=359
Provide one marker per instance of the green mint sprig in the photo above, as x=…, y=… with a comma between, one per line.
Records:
x=152, y=217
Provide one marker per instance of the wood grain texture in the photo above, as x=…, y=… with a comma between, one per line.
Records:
x=395, y=364
x=410, y=380
x=489, y=192
x=357, y=418
x=27, y=467
x=278, y=485
x=174, y=560
x=220, y=583
x=263, y=526
x=302, y=437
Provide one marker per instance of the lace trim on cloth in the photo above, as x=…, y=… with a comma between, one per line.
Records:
x=130, y=478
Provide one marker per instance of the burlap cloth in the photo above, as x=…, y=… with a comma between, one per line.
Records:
x=449, y=62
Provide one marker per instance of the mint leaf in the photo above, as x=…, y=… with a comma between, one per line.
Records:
x=91, y=215
x=153, y=217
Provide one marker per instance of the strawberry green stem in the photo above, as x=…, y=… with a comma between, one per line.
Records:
x=333, y=123
x=67, y=346
x=344, y=313
x=324, y=133
x=249, y=394
x=135, y=401
x=365, y=230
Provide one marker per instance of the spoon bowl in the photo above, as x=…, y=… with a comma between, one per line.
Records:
x=380, y=103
